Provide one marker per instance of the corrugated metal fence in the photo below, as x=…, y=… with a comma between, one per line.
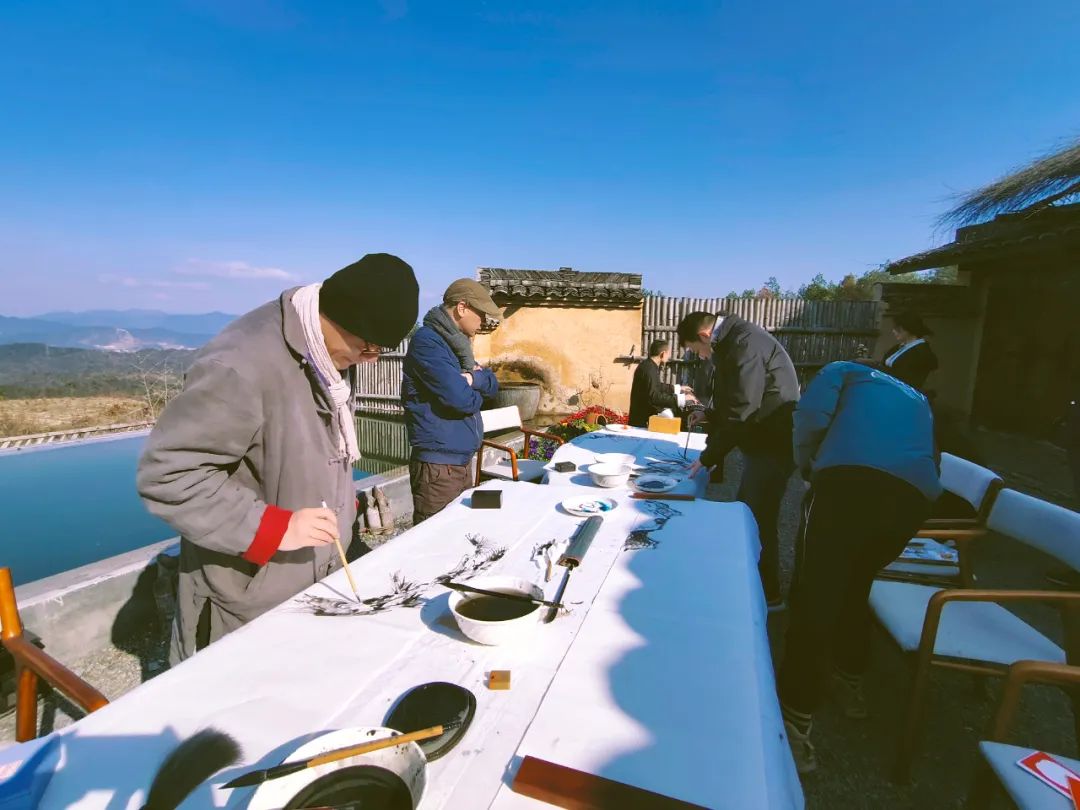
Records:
x=813, y=332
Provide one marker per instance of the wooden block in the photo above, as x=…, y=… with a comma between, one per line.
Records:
x=664, y=424
x=576, y=790
x=487, y=499
x=499, y=679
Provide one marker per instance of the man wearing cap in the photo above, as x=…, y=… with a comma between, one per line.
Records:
x=243, y=461
x=443, y=390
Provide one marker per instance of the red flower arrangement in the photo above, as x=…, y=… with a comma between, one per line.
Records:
x=574, y=425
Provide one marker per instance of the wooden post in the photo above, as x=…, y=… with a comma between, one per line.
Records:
x=26, y=704
x=10, y=624
x=25, y=678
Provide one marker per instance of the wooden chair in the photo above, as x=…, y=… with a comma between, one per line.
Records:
x=960, y=516
x=997, y=769
x=977, y=634
x=510, y=468
x=32, y=663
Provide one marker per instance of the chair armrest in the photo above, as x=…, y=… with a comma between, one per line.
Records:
x=55, y=673
x=497, y=446
x=1002, y=595
x=950, y=534
x=504, y=448
x=938, y=601
x=950, y=523
x=1021, y=674
x=547, y=436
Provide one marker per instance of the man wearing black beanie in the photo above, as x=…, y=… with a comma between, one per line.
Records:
x=262, y=434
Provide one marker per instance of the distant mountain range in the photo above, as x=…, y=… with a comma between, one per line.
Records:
x=34, y=370
x=114, y=330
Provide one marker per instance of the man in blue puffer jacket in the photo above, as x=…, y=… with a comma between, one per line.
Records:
x=865, y=442
x=442, y=391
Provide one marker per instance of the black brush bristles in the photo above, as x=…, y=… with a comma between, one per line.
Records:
x=189, y=765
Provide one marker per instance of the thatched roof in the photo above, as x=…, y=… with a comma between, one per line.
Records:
x=931, y=300
x=1054, y=178
x=1038, y=238
x=562, y=286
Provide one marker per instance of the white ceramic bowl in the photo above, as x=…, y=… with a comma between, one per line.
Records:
x=502, y=632
x=407, y=761
x=619, y=459
x=609, y=475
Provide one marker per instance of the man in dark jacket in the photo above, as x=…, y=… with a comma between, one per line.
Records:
x=443, y=390
x=648, y=394
x=754, y=394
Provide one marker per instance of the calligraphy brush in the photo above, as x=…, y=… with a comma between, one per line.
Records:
x=516, y=597
x=189, y=765
x=257, y=777
x=344, y=562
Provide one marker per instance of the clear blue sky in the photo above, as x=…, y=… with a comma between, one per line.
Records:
x=201, y=155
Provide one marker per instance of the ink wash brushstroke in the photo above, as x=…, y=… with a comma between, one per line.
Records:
x=403, y=592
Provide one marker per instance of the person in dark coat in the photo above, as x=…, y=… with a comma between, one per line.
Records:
x=755, y=389
x=649, y=395
x=911, y=359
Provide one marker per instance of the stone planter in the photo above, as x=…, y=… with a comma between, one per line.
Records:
x=525, y=395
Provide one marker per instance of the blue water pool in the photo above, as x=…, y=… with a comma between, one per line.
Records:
x=69, y=505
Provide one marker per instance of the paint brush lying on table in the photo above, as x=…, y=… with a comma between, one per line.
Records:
x=516, y=597
x=265, y=774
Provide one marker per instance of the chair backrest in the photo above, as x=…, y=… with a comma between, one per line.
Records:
x=1037, y=523
x=976, y=485
x=501, y=418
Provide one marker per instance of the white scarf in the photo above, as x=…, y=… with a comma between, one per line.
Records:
x=306, y=302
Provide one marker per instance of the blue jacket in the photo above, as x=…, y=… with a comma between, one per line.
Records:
x=854, y=415
x=442, y=411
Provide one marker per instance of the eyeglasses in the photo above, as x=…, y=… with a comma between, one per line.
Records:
x=481, y=315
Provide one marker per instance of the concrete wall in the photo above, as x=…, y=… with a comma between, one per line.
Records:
x=108, y=602
x=571, y=350
x=78, y=612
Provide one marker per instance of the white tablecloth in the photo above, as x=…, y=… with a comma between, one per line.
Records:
x=660, y=675
x=663, y=453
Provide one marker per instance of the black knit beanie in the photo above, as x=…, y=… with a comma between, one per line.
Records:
x=376, y=298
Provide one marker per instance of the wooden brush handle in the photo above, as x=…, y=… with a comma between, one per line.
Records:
x=345, y=566
x=662, y=496
x=386, y=742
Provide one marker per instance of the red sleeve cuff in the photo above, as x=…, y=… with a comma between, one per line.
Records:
x=269, y=535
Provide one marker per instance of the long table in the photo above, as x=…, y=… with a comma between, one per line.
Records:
x=659, y=676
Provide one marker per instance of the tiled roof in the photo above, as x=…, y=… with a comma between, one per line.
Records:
x=563, y=286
